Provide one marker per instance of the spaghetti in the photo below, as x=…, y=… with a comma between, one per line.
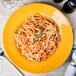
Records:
x=37, y=38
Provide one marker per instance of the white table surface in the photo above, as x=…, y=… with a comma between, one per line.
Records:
x=6, y=13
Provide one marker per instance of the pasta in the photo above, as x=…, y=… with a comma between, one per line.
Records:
x=37, y=38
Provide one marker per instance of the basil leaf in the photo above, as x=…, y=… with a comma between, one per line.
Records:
x=37, y=37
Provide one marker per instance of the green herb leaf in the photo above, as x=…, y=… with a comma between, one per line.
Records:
x=37, y=37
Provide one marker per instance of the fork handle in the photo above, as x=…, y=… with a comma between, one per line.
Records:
x=1, y=52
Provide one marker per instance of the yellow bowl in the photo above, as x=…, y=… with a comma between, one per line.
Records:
x=59, y=56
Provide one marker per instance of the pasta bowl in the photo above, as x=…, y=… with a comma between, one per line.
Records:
x=58, y=57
